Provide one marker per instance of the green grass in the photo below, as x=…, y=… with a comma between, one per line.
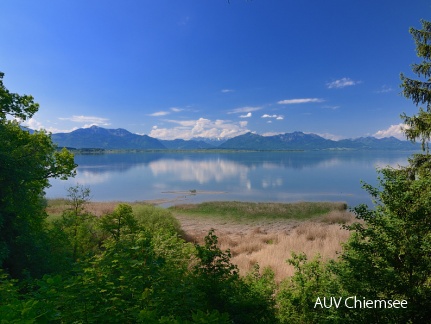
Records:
x=252, y=211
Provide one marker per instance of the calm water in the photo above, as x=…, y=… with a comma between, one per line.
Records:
x=262, y=176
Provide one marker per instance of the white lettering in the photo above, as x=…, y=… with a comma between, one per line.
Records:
x=324, y=302
x=318, y=302
x=339, y=301
x=345, y=302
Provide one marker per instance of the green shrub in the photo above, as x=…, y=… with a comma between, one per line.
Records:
x=155, y=218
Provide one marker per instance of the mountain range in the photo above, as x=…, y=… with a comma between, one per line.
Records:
x=121, y=139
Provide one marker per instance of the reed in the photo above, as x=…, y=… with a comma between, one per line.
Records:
x=270, y=244
x=245, y=211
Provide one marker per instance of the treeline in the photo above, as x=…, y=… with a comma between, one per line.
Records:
x=132, y=266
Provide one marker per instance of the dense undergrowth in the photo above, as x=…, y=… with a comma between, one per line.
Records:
x=131, y=265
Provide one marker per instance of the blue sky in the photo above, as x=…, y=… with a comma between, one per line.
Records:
x=190, y=68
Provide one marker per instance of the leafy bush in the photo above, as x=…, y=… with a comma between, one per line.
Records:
x=155, y=218
x=297, y=295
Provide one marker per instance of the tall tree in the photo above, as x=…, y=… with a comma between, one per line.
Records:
x=419, y=90
x=27, y=161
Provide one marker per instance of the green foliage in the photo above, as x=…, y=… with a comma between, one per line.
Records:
x=27, y=161
x=119, y=222
x=213, y=316
x=79, y=227
x=298, y=294
x=117, y=285
x=419, y=91
x=14, y=308
x=19, y=106
x=389, y=255
x=246, y=301
x=155, y=218
x=215, y=263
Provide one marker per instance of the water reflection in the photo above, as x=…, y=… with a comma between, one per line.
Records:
x=201, y=171
x=257, y=176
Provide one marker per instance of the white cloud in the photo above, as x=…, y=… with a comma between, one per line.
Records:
x=185, y=123
x=164, y=112
x=272, y=133
x=393, y=130
x=385, y=89
x=278, y=117
x=246, y=116
x=159, y=113
x=227, y=90
x=33, y=124
x=200, y=128
x=299, y=101
x=328, y=136
x=88, y=119
x=342, y=83
x=331, y=107
x=242, y=110
x=36, y=125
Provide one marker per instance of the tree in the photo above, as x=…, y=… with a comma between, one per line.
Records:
x=419, y=91
x=121, y=221
x=78, y=224
x=389, y=254
x=27, y=161
x=13, y=104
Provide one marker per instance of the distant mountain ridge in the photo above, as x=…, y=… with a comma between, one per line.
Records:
x=302, y=141
x=98, y=137
x=119, y=139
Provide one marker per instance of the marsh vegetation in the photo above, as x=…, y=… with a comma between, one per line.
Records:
x=255, y=233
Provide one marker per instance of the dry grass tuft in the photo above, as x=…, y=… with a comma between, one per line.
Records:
x=338, y=217
x=270, y=243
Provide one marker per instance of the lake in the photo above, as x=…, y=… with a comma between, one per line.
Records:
x=246, y=176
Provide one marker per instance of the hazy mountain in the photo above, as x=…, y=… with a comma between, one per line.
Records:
x=212, y=141
x=288, y=141
x=98, y=137
x=372, y=143
x=302, y=141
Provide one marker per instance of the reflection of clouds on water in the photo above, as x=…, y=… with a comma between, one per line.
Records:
x=329, y=163
x=268, y=165
x=269, y=183
x=200, y=171
x=89, y=178
x=242, y=176
x=248, y=184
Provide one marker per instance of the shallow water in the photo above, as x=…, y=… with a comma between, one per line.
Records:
x=249, y=176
